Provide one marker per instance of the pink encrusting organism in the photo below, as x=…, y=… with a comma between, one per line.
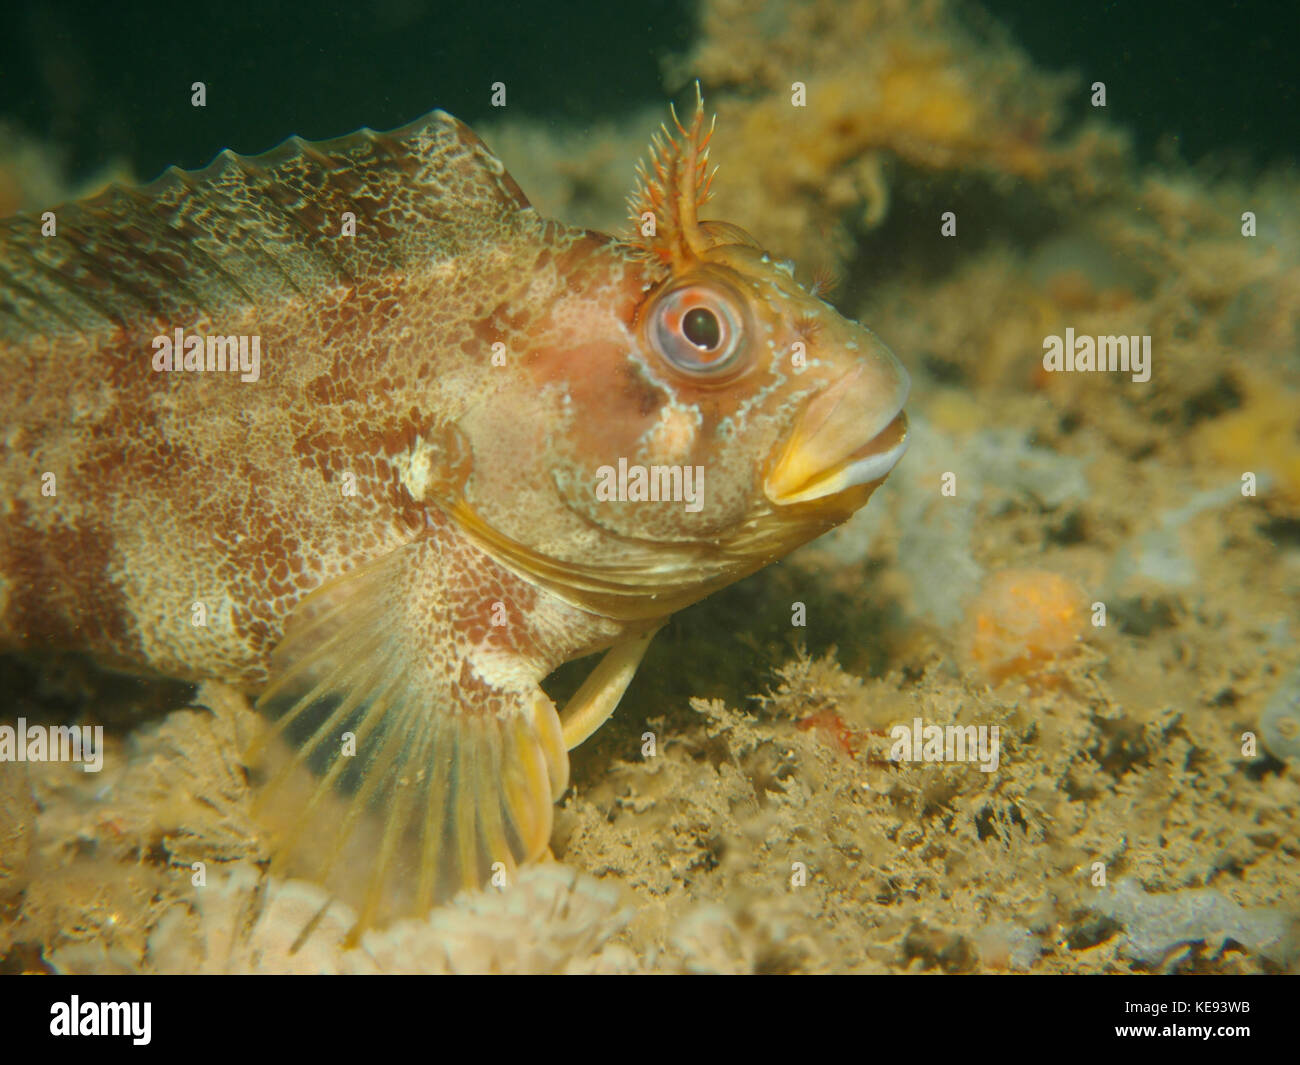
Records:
x=389, y=530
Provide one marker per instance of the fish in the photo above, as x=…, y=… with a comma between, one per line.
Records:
x=351, y=428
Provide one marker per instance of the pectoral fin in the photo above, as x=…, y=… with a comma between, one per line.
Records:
x=601, y=692
x=392, y=773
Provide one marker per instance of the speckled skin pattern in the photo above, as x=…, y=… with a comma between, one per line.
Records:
x=437, y=390
x=174, y=488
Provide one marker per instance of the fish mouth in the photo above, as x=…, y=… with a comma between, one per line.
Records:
x=852, y=434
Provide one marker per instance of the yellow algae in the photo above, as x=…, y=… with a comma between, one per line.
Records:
x=1262, y=435
x=879, y=83
x=955, y=411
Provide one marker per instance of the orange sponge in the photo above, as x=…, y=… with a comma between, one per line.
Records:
x=1025, y=621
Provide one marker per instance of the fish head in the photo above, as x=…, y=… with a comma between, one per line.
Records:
x=801, y=405
x=697, y=413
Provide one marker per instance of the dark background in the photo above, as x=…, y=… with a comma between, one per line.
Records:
x=105, y=80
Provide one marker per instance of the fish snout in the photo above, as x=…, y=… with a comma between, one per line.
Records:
x=851, y=433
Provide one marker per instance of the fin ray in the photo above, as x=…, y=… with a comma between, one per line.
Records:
x=449, y=775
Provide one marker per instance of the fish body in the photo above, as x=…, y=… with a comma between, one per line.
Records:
x=439, y=446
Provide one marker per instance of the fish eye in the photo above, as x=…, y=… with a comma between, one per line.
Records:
x=698, y=330
x=701, y=327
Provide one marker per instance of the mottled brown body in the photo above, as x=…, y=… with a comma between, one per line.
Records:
x=174, y=488
x=391, y=535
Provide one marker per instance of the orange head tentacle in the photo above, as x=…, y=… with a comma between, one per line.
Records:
x=680, y=184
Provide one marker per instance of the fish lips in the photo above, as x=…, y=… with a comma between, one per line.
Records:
x=851, y=434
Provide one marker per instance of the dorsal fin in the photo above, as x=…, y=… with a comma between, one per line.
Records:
x=250, y=229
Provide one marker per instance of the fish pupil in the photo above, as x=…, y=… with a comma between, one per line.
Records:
x=702, y=328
